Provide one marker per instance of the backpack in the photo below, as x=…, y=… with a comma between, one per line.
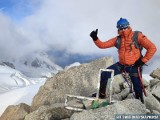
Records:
x=134, y=41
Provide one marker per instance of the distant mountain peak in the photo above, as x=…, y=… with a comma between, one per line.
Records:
x=36, y=65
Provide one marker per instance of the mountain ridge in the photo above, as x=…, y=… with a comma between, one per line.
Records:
x=36, y=65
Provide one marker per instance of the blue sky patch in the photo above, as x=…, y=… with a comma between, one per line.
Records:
x=18, y=9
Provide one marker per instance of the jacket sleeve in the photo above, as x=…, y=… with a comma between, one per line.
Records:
x=106, y=44
x=148, y=45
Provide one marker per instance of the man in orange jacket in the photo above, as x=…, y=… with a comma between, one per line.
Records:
x=130, y=58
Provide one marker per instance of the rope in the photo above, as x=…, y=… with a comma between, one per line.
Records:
x=140, y=78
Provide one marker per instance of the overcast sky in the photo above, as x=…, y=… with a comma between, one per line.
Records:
x=65, y=25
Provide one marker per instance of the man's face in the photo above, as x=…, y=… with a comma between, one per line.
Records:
x=124, y=31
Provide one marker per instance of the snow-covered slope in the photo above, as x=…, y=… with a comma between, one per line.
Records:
x=11, y=79
x=16, y=87
x=20, y=95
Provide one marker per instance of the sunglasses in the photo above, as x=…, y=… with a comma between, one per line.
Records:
x=123, y=27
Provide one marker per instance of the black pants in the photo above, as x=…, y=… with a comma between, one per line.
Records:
x=118, y=69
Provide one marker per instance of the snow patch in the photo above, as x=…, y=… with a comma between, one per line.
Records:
x=72, y=65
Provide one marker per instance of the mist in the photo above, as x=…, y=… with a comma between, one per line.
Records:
x=65, y=26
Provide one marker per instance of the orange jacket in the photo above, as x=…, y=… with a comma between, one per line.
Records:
x=128, y=56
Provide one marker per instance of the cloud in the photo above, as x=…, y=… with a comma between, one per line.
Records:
x=65, y=25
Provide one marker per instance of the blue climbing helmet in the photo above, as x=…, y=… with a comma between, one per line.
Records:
x=122, y=23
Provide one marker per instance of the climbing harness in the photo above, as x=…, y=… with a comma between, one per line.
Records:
x=128, y=81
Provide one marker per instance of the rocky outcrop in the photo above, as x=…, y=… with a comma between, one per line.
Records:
x=156, y=90
x=108, y=113
x=154, y=82
x=81, y=80
x=17, y=112
x=49, y=112
x=151, y=102
x=156, y=73
x=9, y=64
x=48, y=104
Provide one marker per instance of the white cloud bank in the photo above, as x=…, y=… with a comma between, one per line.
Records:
x=66, y=25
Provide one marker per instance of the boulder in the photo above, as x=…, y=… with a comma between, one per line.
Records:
x=155, y=112
x=154, y=82
x=151, y=102
x=80, y=80
x=49, y=112
x=156, y=91
x=16, y=112
x=130, y=106
x=156, y=73
x=117, y=83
